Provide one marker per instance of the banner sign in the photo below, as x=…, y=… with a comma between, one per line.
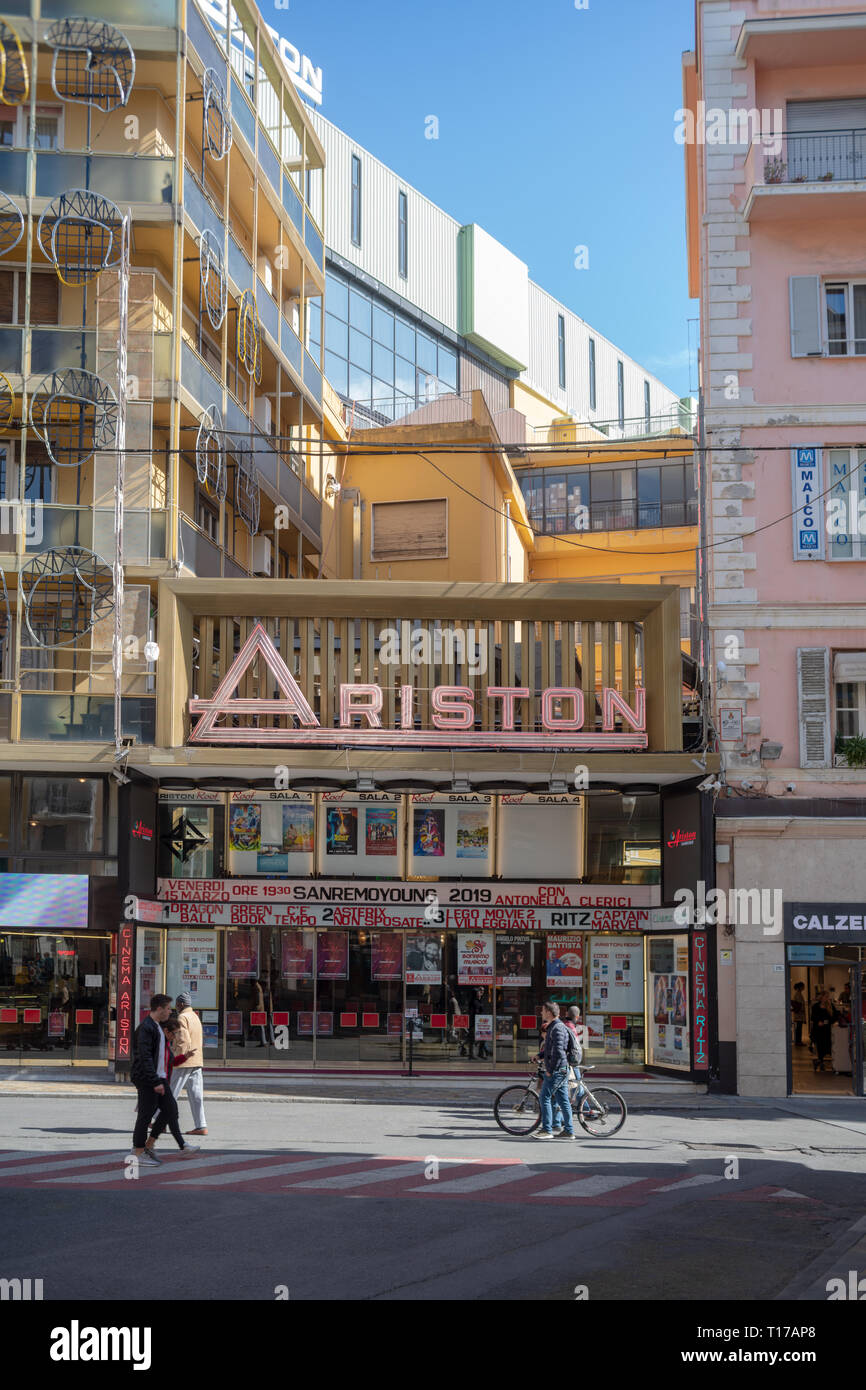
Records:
x=513, y=957
x=825, y=923
x=342, y=892
x=242, y=955
x=332, y=960
x=700, y=1032
x=423, y=959
x=386, y=956
x=125, y=994
x=297, y=955
x=808, y=509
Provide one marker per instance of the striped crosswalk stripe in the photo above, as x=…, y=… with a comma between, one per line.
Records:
x=149, y=1169
x=273, y=1170
x=341, y=1181
x=104, y=1159
x=477, y=1182
x=699, y=1180
x=588, y=1187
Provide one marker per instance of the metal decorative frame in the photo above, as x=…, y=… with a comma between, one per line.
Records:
x=214, y=281
x=210, y=456
x=217, y=117
x=11, y=224
x=5, y=617
x=249, y=336
x=81, y=234
x=14, y=77
x=75, y=583
x=93, y=63
x=248, y=495
x=7, y=401
x=74, y=413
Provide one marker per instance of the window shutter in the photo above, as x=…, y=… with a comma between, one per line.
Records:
x=44, y=299
x=805, y=295
x=813, y=691
x=410, y=530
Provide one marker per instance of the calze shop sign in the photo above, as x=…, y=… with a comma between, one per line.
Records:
x=825, y=922
x=453, y=714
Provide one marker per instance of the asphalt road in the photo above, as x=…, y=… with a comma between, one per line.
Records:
x=375, y=1201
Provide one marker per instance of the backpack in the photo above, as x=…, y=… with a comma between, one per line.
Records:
x=573, y=1051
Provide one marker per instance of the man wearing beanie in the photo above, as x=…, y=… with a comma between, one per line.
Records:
x=188, y=1073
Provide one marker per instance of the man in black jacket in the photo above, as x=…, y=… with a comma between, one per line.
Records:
x=554, y=1089
x=149, y=1073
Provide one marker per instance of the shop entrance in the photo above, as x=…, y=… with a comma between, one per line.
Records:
x=53, y=997
x=826, y=1020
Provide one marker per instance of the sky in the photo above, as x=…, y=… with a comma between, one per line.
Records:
x=555, y=132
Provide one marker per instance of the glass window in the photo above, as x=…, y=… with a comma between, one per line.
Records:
x=578, y=497
x=532, y=486
x=63, y=815
x=448, y=367
x=592, y=373
x=383, y=363
x=837, y=333
x=406, y=342
x=188, y=834
x=47, y=129
x=360, y=384
x=359, y=349
x=337, y=372
x=337, y=297
x=649, y=496
x=314, y=320
x=560, y=342
x=402, y=234
x=602, y=486
x=404, y=376
x=7, y=132
x=336, y=336
x=672, y=482
x=554, y=503
x=356, y=200
x=850, y=720
x=426, y=354
x=383, y=397
x=360, y=312
x=383, y=327
x=5, y=807
x=858, y=293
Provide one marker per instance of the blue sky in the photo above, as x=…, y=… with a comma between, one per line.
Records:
x=555, y=131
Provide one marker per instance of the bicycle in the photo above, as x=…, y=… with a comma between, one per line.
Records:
x=602, y=1112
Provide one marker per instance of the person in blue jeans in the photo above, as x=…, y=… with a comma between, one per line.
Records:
x=554, y=1090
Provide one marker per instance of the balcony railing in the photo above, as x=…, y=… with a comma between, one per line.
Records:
x=620, y=516
x=86, y=718
x=138, y=179
x=820, y=156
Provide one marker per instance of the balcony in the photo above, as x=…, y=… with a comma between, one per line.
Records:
x=803, y=41
x=85, y=718
x=621, y=516
x=121, y=177
x=93, y=528
x=823, y=171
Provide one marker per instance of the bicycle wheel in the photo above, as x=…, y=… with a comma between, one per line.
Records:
x=613, y=1108
x=517, y=1110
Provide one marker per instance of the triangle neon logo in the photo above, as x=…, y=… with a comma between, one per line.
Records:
x=292, y=702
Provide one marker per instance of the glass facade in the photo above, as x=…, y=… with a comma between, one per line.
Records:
x=627, y=497
x=379, y=358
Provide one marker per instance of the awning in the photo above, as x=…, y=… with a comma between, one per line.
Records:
x=849, y=666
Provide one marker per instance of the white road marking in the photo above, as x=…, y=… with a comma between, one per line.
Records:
x=344, y=1180
x=479, y=1182
x=147, y=1168
x=587, y=1187
x=698, y=1180
x=274, y=1170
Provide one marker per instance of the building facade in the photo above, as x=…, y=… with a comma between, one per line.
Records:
x=774, y=133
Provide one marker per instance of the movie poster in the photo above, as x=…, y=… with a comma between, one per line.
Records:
x=513, y=969
x=297, y=952
x=298, y=828
x=341, y=830
x=473, y=830
x=381, y=828
x=475, y=958
x=386, y=955
x=242, y=955
x=245, y=826
x=423, y=960
x=333, y=955
x=564, y=959
x=428, y=832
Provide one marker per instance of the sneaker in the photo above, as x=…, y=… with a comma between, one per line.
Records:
x=566, y=1134
x=557, y=1132
x=188, y=1150
x=543, y=1134
x=149, y=1157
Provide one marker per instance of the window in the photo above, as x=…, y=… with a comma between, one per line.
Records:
x=560, y=335
x=850, y=711
x=356, y=200
x=403, y=234
x=47, y=129
x=846, y=504
x=592, y=373
x=208, y=520
x=845, y=304
x=410, y=530
x=7, y=131
x=37, y=473
x=620, y=395
x=646, y=406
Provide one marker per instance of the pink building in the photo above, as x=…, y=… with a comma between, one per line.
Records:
x=774, y=127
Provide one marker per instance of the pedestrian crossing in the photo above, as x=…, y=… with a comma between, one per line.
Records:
x=421, y=1178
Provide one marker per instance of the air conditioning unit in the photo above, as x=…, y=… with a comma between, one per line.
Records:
x=263, y=556
x=263, y=413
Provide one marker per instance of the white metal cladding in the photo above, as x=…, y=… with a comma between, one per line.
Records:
x=543, y=370
x=431, y=283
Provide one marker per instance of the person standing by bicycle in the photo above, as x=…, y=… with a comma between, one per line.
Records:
x=555, y=1087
